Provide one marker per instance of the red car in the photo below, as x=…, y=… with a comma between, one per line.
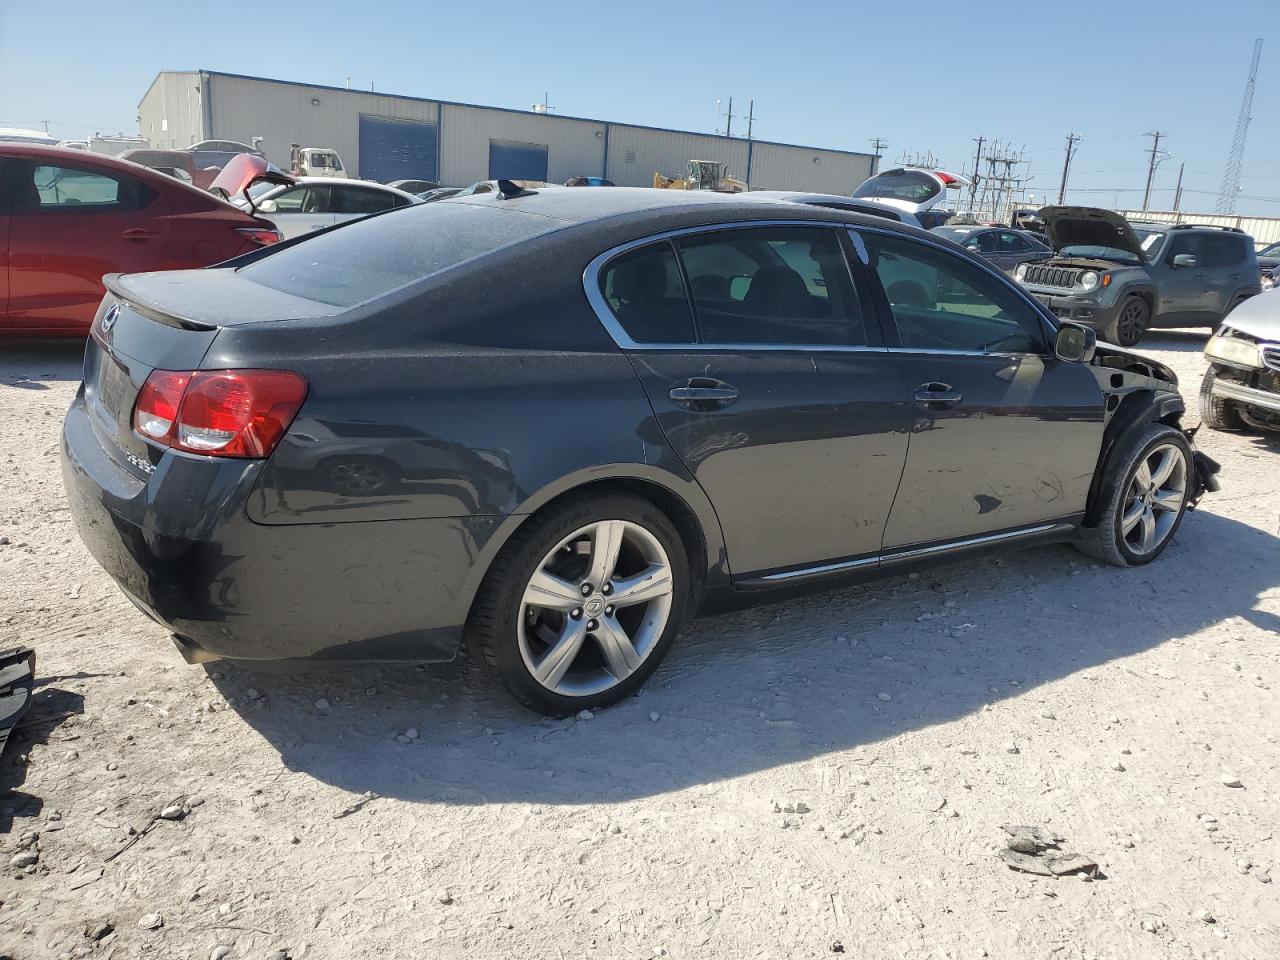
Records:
x=67, y=217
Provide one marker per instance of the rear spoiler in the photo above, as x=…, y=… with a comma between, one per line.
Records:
x=116, y=284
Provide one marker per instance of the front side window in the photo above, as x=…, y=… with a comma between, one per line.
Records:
x=1192, y=243
x=303, y=200
x=772, y=285
x=941, y=302
x=644, y=290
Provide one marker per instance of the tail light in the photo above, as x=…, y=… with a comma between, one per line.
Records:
x=263, y=236
x=218, y=413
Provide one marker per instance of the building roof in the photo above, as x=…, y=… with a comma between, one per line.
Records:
x=477, y=106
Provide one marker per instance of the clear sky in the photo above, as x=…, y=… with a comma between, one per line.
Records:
x=926, y=76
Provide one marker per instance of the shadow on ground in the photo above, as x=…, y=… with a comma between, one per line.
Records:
x=39, y=725
x=773, y=685
x=31, y=361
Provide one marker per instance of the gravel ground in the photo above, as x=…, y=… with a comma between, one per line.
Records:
x=405, y=812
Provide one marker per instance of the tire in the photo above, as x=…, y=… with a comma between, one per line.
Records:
x=556, y=648
x=1109, y=541
x=1217, y=412
x=1132, y=318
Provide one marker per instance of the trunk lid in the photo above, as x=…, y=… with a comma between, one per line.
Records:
x=165, y=321
x=1090, y=227
x=243, y=171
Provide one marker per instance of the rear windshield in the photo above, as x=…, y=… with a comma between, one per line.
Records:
x=910, y=185
x=369, y=258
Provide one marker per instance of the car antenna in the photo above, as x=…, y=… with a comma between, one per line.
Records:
x=508, y=189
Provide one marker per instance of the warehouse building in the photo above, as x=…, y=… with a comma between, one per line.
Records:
x=388, y=137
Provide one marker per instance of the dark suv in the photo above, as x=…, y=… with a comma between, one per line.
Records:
x=1122, y=278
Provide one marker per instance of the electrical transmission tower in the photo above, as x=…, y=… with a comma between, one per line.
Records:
x=1231, y=178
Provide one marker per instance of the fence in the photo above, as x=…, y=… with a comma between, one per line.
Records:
x=1264, y=230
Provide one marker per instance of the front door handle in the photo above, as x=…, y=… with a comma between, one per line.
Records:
x=937, y=396
x=138, y=235
x=703, y=393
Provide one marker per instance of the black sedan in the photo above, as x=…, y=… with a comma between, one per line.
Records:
x=556, y=423
x=1003, y=246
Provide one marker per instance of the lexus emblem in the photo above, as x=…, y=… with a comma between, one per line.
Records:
x=110, y=317
x=594, y=606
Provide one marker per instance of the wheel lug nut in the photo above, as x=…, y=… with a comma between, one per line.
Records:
x=607, y=589
x=586, y=589
x=591, y=624
x=577, y=614
x=608, y=611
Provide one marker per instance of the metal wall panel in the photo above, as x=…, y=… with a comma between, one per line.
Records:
x=285, y=113
x=397, y=149
x=777, y=167
x=517, y=161
x=170, y=114
x=574, y=147
x=636, y=153
x=1264, y=230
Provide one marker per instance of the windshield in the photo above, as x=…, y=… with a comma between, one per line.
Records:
x=914, y=186
x=1150, y=240
x=372, y=257
x=1271, y=251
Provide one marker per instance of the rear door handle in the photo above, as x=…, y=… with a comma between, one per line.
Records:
x=703, y=393
x=138, y=235
x=937, y=396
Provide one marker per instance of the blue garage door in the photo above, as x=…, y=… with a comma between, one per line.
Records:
x=397, y=149
x=517, y=161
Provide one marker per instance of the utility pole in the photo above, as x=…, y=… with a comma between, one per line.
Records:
x=751, y=114
x=877, y=145
x=46, y=125
x=1177, y=194
x=973, y=184
x=1154, y=150
x=728, y=127
x=1072, y=140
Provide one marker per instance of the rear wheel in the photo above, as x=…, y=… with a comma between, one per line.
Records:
x=1130, y=323
x=1216, y=412
x=1145, y=498
x=583, y=603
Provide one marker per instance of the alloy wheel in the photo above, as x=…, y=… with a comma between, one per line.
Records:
x=595, y=608
x=1155, y=498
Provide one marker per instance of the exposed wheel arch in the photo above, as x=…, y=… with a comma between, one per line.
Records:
x=1135, y=412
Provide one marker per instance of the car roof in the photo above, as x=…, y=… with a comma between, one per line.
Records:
x=340, y=182
x=647, y=208
x=40, y=151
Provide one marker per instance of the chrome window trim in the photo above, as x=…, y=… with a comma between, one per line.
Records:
x=1047, y=321
x=595, y=296
x=600, y=306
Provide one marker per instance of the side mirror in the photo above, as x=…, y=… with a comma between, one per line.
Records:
x=1185, y=260
x=1075, y=343
x=268, y=206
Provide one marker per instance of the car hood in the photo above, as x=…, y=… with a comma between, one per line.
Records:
x=1089, y=226
x=243, y=171
x=1258, y=316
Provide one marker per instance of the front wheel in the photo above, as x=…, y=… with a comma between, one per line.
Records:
x=583, y=603
x=1144, y=499
x=1217, y=413
x=1130, y=323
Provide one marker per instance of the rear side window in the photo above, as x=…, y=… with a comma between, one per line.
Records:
x=359, y=200
x=772, y=285
x=369, y=258
x=646, y=294
x=54, y=188
x=1224, y=250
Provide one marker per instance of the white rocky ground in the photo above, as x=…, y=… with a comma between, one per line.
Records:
x=909, y=720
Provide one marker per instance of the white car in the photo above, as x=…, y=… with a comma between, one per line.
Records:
x=313, y=203
x=874, y=208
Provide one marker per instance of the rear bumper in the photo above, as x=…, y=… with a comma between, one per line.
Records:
x=180, y=546
x=1247, y=395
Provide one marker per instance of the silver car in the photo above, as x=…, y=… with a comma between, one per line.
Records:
x=313, y=203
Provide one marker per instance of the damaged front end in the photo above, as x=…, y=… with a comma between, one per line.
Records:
x=17, y=677
x=1140, y=391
